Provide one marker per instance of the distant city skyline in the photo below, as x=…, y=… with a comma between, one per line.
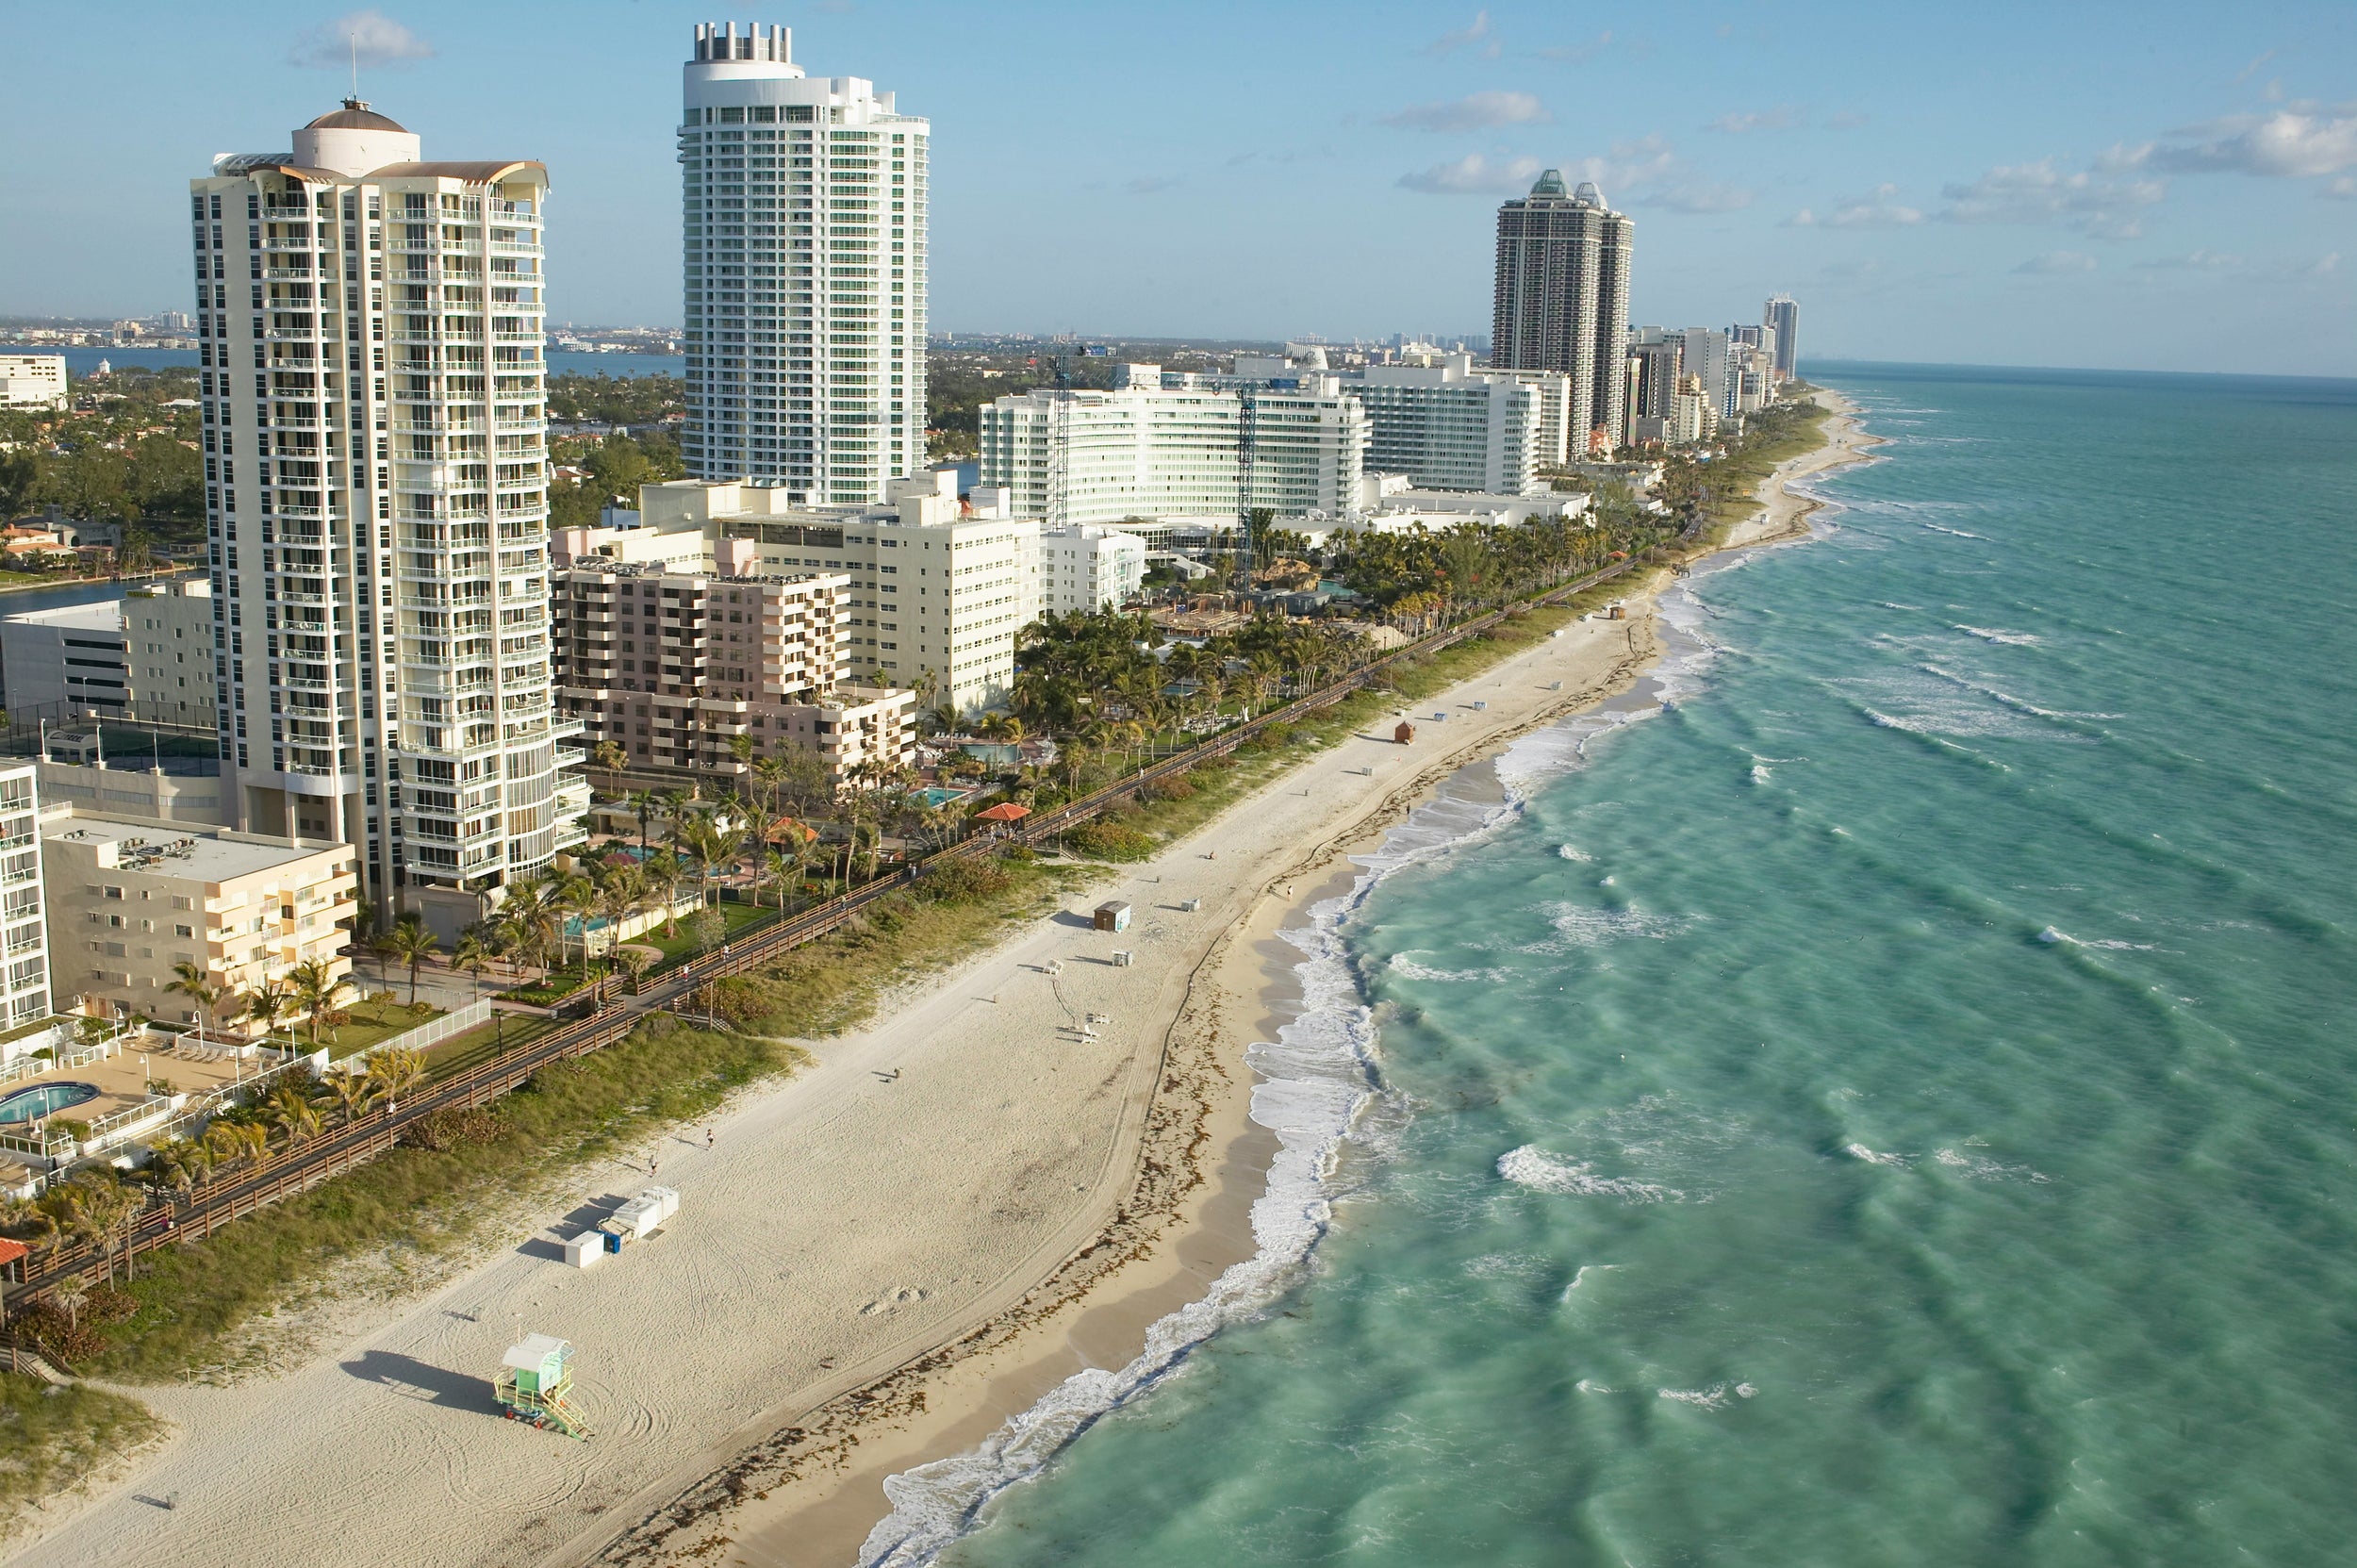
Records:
x=2138, y=188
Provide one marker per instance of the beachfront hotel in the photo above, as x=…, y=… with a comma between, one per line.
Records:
x=1782, y=317
x=376, y=500
x=1562, y=298
x=803, y=243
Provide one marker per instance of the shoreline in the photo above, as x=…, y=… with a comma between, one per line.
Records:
x=829, y=1515
x=1025, y=1161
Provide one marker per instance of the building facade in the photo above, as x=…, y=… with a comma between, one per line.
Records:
x=673, y=665
x=130, y=898
x=939, y=590
x=1561, y=297
x=1088, y=568
x=376, y=495
x=1703, y=355
x=803, y=243
x=25, y=976
x=1783, y=318
x=33, y=381
x=1656, y=360
x=1449, y=427
x=1072, y=459
x=148, y=656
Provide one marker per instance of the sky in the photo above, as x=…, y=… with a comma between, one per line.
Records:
x=2156, y=186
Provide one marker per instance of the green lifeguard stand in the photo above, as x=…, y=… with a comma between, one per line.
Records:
x=535, y=1382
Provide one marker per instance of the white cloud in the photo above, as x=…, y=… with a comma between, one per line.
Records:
x=2041, y=194
x=2253, y=69
x=1474, y=174
x=377, y=39
x=1478, y=112
x=1698, y=197
x=2342, y=190
x=2284, y=145
x=1474, y=35
x=2051, y=262
x=1874, y=210
x=1577, y=53
x=2323, y=266
x=1628, y=163
x=2194, y=261
x=1784, y=117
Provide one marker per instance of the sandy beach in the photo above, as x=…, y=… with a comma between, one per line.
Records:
x=1001, y=1183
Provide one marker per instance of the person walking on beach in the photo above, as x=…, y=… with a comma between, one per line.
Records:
x=711, y=1137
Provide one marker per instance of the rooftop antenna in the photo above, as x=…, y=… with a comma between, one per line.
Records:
x=353, y=39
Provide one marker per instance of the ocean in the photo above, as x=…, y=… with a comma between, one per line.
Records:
x=1881, y=1093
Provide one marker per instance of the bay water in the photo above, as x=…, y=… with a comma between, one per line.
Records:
x=1882, y=1093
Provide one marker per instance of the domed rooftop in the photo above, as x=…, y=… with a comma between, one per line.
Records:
x=1549, y=184
x=355, y=116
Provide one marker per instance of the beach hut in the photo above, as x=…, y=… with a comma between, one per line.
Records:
x=1404, y=733
x=1113, y=914
x=535, y=1383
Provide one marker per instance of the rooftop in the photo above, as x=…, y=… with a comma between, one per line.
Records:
x=355, y=116
x=181, y=850
x=104, y=616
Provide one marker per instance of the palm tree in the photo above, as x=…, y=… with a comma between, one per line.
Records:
x=641, y=803
x=410, y=942
x=397, y=1071
x=352, y=1094
x=293, y=1115
x=473, y=956
x=609, y=756
x=575, y=899
x=268, y=1003
x=315, y=991
x=181, y=1165
x=192, y=981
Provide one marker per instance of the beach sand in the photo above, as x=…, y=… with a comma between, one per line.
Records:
x=881, y=1259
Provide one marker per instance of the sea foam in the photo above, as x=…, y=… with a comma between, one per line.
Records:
x=1533, y=1168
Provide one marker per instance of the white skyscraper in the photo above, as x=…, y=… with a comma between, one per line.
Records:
x=804, y=244
x=376, y=496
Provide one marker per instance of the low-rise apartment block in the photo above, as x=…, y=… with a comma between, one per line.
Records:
x=1089, y=569
x=128, y=898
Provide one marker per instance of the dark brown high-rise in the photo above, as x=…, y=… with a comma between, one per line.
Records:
x=1563, y=296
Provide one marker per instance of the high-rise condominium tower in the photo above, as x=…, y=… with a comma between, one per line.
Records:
x=1562, y=297
x=1784, y=317
x=806, y=273
x=377, y=494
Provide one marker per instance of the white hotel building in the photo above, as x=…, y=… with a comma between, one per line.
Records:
x=804, y=249
x=377, y=498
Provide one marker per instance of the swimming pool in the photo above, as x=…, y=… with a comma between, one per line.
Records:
x=41, y=1098
x=934, y=796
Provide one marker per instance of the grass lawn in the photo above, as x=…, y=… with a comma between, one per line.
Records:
x=372, y=1021
x=461, y=1051
x=683, y=945
x=51, y=1436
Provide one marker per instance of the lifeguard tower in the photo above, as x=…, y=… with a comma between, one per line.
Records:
x=535, y=1383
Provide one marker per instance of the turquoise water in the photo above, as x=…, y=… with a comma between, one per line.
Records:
x=41, y=1099
x=1894, y=1107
